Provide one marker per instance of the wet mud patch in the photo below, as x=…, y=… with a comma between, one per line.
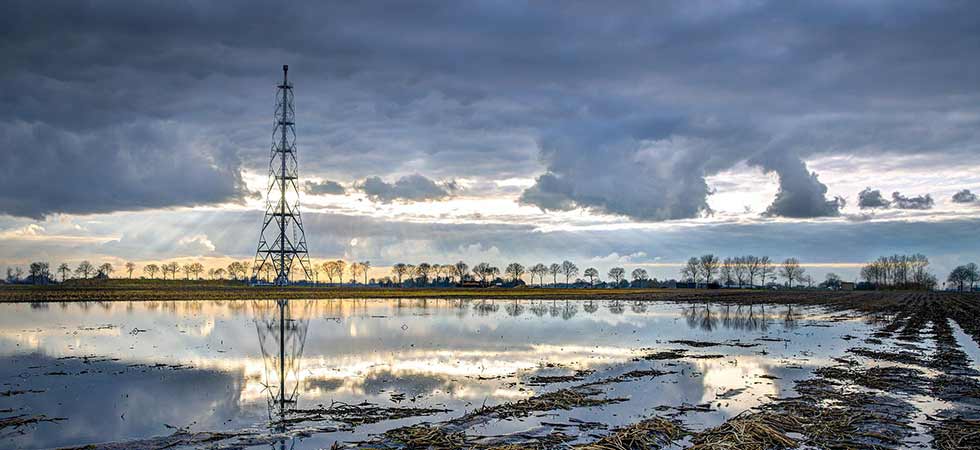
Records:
x=564, y=399
x=652, y=433
x=544, y=380
x=16, y=422
x=956, y=433
x=824, y=416
x=359, y=414
x=11, y=393
x=887, y=379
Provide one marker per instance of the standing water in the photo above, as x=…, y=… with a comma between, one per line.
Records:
x=309, y=373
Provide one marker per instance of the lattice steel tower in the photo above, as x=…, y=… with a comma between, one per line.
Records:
x=282, y=242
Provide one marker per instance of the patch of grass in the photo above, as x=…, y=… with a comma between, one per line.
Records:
x=425, y=436
x=956, y=433
x=748, y=431
x=649, y=434
x=563, y=399
x=359, y=414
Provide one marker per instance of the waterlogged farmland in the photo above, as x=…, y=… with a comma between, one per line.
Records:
x=486, y=373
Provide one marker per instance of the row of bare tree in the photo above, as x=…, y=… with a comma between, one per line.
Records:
x=899, y=272
x=39, y=272
x=896, y=271
x=743, y=271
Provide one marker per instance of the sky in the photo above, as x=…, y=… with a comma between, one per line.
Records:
x=633, y=135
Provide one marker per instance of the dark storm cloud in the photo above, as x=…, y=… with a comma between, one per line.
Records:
x=964, y=196
x=44, y=169
x=919, y=202
x=325, y=187
x=626, y=109
x=412, y=188
x=872, y=198
x=800, y=194
x=629, y=168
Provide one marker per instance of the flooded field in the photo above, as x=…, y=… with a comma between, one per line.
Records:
x=451, y=373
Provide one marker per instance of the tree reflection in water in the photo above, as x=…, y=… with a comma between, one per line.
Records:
x=539, y=309
x=569, y=311
x=281, y=326
x=515, y=309
x=639, y=307
x=616, y=307
x=739, y=317
x=591, y=307
x=485, y=308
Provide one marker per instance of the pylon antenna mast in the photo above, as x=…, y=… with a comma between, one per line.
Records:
x=282, y=246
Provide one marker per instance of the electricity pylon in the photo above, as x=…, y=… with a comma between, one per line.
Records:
x=282, y=242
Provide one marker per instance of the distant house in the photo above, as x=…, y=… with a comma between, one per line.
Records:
x=847, y=286
x=470, y=284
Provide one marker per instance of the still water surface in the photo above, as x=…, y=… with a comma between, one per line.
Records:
x=125, y=371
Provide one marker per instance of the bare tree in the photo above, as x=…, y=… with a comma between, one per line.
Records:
x=268, y=268
x=515, y=271
x=355, y=271
x=568, y=269
x=766, y=271
x=219, y=273
x=728, y=272
x=130, y=268
x=791, y=271
x=460, y=269
x=327, y=267
x=335, y=269
x=233, y=269
x=899, y=271
x=963, y=275
x=84, y=269
x=554, y=270
x=196, y=269
x=539, y=270
x=639, y=274
x=340, y=266
x=422, y=271
x=492, y=272
x=480, y=271
x=40, y=272
x=171, y=268
x=740, y=269
x=398, y=270
x=692, y=271
x=365, y=267
x=709, y=267
x=591, y=273
x=64, y=270
x=617, y=274
x=449, y=271
x=754, y=266
x=105, y=270
x=436, y=272
x=973, y=274
x=151, y=270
